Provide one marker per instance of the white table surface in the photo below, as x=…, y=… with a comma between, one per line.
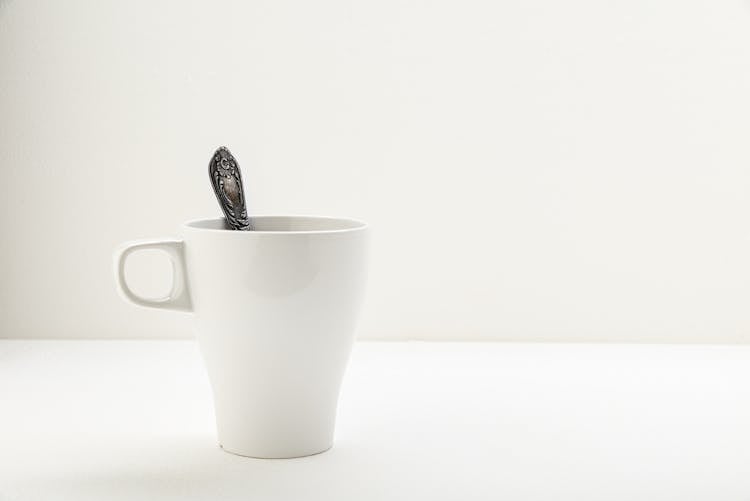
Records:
x=111, y=420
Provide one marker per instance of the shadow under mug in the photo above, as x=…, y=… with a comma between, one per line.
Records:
x=274, y=313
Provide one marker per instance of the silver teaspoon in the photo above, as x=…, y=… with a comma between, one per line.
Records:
x=227, y=182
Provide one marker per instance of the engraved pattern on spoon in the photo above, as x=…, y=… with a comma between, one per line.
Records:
x=227, y=183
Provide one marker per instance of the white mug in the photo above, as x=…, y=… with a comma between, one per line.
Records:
x=274, y=311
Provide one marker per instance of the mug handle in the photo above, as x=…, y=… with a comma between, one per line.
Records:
x=179, y=297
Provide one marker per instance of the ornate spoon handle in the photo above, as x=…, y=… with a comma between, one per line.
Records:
x=227, y=183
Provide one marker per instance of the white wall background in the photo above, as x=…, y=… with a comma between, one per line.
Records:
x=532, y=170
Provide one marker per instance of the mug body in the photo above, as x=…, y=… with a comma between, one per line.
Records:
x=274, y=312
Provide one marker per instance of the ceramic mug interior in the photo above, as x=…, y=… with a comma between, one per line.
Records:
x=283, y=224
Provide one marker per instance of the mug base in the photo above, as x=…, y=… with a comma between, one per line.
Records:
x=274, y=456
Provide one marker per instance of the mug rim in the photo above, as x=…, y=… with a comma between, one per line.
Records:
x=358, y=225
